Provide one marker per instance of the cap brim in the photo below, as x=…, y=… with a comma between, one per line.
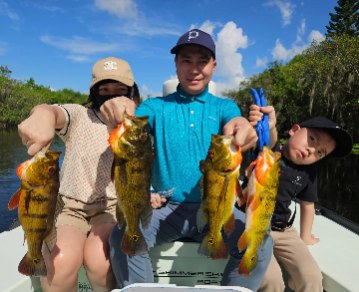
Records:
x=126, y=81
x=175, y=49
x=344, y=142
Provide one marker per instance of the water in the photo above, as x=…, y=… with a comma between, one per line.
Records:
x=338, y=180
x=12, y=153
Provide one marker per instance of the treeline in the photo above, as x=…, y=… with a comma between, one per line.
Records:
x=323, y=80
x=17, y=98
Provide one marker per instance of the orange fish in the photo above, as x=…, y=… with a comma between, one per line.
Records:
x=261, y=193
x=132, y=147
x=36, y=202
x=219, y=186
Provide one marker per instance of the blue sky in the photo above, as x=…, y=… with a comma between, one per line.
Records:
x=56, y=42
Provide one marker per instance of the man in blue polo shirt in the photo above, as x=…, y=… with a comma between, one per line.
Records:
x=182, y=124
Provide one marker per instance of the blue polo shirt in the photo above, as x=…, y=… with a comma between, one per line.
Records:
x=182, y=126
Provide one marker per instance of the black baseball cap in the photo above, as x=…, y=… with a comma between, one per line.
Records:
x=195, y=37
x=344, y=142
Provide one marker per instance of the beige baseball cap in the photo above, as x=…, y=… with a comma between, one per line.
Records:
x=114, y=69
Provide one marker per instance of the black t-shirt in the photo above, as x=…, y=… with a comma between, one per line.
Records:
x=295, y=181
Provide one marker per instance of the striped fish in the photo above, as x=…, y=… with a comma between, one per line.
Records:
x=219, y=187
x=131, y=172
x=261, y=193
x=36, y=202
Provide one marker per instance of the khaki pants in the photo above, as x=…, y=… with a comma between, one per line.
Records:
x=294, y=256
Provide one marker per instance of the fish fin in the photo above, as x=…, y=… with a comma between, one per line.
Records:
x=119, y=216
x=30, y=267
x=241, y=195
x=202, y=166
x=243, y=241
x=201, y=219
x=250, y=168
x=50, y=238
x=203, y=247
x=14, y=200
x=230, y=225
x=146, y=216
x=22, y=167
x=132, y=246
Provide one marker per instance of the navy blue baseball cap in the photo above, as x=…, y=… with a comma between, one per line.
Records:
x=343, y=140
x=195, y=37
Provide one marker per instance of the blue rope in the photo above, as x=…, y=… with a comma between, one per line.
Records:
x=262, y=126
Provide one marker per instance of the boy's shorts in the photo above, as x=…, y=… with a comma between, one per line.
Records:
x=85, y=215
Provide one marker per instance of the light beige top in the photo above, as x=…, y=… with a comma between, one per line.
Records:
x=86, y=169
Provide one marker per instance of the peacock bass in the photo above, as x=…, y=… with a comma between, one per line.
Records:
x=219, y=186
x=261, y=193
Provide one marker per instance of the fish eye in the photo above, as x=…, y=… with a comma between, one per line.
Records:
x=210, y=153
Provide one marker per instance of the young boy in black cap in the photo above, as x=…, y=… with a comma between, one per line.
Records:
x=309, y=142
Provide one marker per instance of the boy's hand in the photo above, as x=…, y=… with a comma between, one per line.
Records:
x=244, y=134
x=113, y=109
x=256, y=114
x=310, y=240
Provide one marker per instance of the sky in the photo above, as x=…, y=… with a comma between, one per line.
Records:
x=56, y=42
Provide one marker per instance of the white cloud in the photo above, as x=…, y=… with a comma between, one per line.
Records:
x=146, y=92
x=207, y=26
x=281, y=53
x=286, y=9
x=4, y=10
x=120, y=8
x=3, y=48
x=132, y=21
x=230, y=69
x=79, y=47
x=316, y=36
x=261, y=62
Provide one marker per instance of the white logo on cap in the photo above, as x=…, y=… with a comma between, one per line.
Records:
x=193, y=34
x=110, y=65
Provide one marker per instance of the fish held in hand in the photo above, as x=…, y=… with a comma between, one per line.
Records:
x=219, y=187
x=261, y=193
x=131, y=171
x=36, y=202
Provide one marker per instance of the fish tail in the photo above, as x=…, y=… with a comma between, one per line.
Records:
x=32, y=267
x=133, y=244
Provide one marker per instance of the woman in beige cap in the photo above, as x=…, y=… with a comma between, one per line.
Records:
x=86, y=189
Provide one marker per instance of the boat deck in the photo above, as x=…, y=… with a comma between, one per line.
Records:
x=336, y=253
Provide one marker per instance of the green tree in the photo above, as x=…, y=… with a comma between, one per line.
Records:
x=5, y=71
x=345, y=20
